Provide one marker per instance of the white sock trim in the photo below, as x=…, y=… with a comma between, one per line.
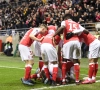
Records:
x=29, y=65
x=76, y=64
x=45, y=66
x=55, y=65
x=91, y=63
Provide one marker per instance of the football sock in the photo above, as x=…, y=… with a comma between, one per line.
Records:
x=91, y=70
x=63, y=71
x=55, y=72
x=77, y=71
x=95, y=71
x=46, y=70
x=27, y=71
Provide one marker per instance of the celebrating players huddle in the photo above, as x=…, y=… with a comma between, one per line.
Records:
x=62, y=65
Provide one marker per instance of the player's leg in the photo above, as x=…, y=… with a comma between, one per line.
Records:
x=96, y=63
x=44, y=54
x=95, y=70
x=37, y=52
x=67, y=53
x=94, y=53
x=72, y=74
x=77, y=70
x=55, y=72
x=70, y=69
x=26, y=56
x=76, y=60
x=53, y=59
x=64, y=68
x=28, y=68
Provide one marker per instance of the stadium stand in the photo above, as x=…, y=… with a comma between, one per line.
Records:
x=17, y=14
x=20, y=15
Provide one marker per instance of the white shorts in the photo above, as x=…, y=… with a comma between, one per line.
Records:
x=49, y=52
x=37, y=48
x=72, y=50
x=94, y=49
x=25, y=52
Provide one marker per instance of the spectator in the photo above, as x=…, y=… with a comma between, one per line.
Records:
x=75, y=17
x=97, y=5
x=98, y=17
x=8, y=49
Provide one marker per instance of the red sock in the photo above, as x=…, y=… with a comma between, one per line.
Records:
x=96, y=69
x=55, y=72
x=91, y=69
x=77, y=71
x=41, y=63
x=46, y=70
x=27, y=73
x=64, y=70
x=34, y=76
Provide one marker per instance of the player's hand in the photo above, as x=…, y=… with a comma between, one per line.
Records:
x=69, y=35
x=41, y=39
x=86, y=31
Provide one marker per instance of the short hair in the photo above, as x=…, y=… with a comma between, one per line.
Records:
x=43, y=26
x=67, y=16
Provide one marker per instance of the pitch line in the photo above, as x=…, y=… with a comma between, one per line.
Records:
x=14, y=67
x=51, y=87
x=33, y=69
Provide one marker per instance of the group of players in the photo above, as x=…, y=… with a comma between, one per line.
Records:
x=56, y=64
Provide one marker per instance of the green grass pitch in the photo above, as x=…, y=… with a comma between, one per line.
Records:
x=12, y=69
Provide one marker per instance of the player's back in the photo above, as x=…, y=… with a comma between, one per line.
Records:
x=88, y=38
x=70, y=26
x=52, y=27
x=48, y=39
x=26, y=40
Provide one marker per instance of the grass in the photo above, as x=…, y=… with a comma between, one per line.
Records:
x=12, y=69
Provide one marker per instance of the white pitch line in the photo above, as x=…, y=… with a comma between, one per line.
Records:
x=33, y=69
x=57, y=86
x=51, y=87
x=87, y=75
x=14, y=67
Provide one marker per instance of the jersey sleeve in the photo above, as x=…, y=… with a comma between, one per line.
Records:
x=63, y=23
x=35, y=31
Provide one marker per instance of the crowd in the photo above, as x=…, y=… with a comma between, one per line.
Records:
x=31, y=13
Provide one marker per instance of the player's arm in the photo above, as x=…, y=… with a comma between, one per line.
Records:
x=59, y=30
x=59, y=55
x=32, y=36
x=86, y=31
x=80, y=30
